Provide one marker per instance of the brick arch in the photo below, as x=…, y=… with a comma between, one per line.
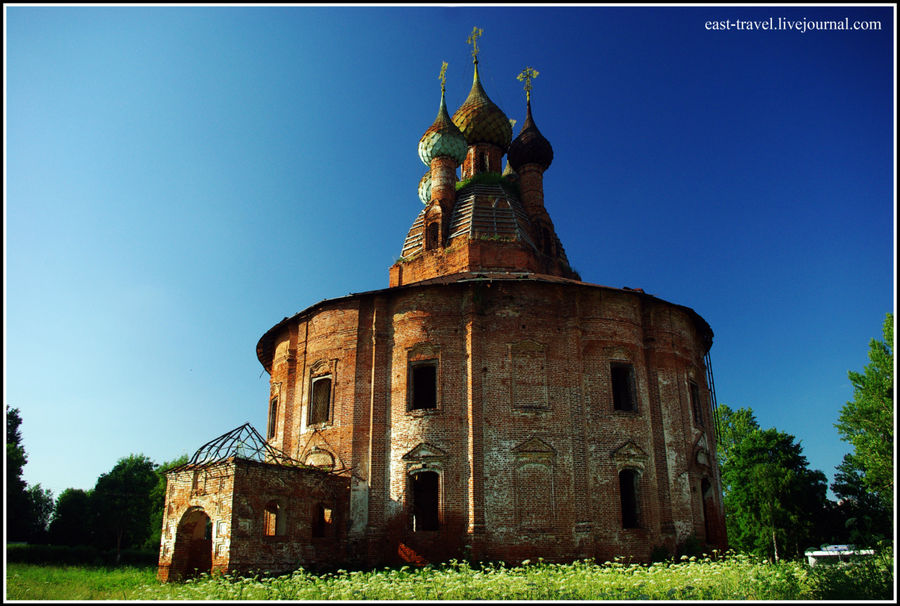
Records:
x=193, y=545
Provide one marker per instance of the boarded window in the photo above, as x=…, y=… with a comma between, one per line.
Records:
x=534, y=496
x=528, y=375
x=425, y=491
x=628, y=491
x=623, y=386
x=323, y=520
x=320, y=406
x=423, y=385
x=273, y=417
x=695, y=404
x=273, y=520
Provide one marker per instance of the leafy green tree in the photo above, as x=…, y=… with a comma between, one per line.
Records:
x=158, y=502
x=27, y=509
x=734, y=425
x=863, y=516
x=122, y=503
x=772, y=498
x=40, y=507
x=17, y=505
x=72, y=522
x=867, y=422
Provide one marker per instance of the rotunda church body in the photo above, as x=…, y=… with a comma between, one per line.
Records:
x=488, y=404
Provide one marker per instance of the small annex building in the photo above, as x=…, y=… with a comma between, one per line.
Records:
x=488, y=404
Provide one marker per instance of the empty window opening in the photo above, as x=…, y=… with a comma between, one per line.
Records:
x=546, y=242
x=323, y=518
x=320, y=407
x=273, y=417
x=432, y=235
x=623, y=386
x=695, y=404
x=628, y=489
x=706, y=499
x=485, y=162
x=425, y=501
x=423, y=386
x=273, y=520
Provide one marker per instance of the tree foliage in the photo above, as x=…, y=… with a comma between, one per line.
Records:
x=122, y=504
x=734, y=425
x=16, y=489
x=774, y=503
x=27, y=508
x=863, y=517
x=73, y=518
x=867, y=422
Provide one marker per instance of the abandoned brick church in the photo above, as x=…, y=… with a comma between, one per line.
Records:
x=488, y=404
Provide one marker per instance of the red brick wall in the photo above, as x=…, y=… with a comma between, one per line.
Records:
x=234, y=495
x=561, y=338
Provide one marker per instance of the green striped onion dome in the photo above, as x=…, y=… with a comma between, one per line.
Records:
x=425, y=188
x=480, y=120
x=442, y=139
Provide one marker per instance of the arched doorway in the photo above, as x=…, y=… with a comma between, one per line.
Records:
x=193, y=545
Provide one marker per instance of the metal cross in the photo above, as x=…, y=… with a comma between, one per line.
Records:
x=443, y=75
x=527, y=75
x=473, y=40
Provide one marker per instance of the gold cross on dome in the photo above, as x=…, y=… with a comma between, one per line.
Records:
x=473, y=40
x=527, y=75
x=443, y=75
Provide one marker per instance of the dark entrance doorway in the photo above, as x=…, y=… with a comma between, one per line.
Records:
x=193, y=545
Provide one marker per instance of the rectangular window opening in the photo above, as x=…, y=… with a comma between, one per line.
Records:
x=423, y=386
x=425, y=487
x=623, y=386
x=695, y=404
x=273, y=417
x=628, y=491
x=320, y=404
x=322, y=521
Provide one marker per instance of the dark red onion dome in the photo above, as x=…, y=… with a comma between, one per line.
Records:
x=530, y=147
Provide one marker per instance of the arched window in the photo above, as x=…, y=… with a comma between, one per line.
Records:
x=273, y=520
x=630, y=496
x=425, y=500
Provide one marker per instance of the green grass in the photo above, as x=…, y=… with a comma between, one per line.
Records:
x=735, y=577
x=42, y=582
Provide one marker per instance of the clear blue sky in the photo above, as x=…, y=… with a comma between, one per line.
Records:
x=180, y=179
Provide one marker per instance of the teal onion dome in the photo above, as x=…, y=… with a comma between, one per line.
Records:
x=480, y=120
x=530, y=147
x=442, y=138
x=425, y=188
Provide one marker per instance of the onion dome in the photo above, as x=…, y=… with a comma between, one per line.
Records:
x=442, y=138
x=530, y=147
x=480, y=120
x=425, y=188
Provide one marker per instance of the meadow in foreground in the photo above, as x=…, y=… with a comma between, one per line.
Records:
x=735, y=577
